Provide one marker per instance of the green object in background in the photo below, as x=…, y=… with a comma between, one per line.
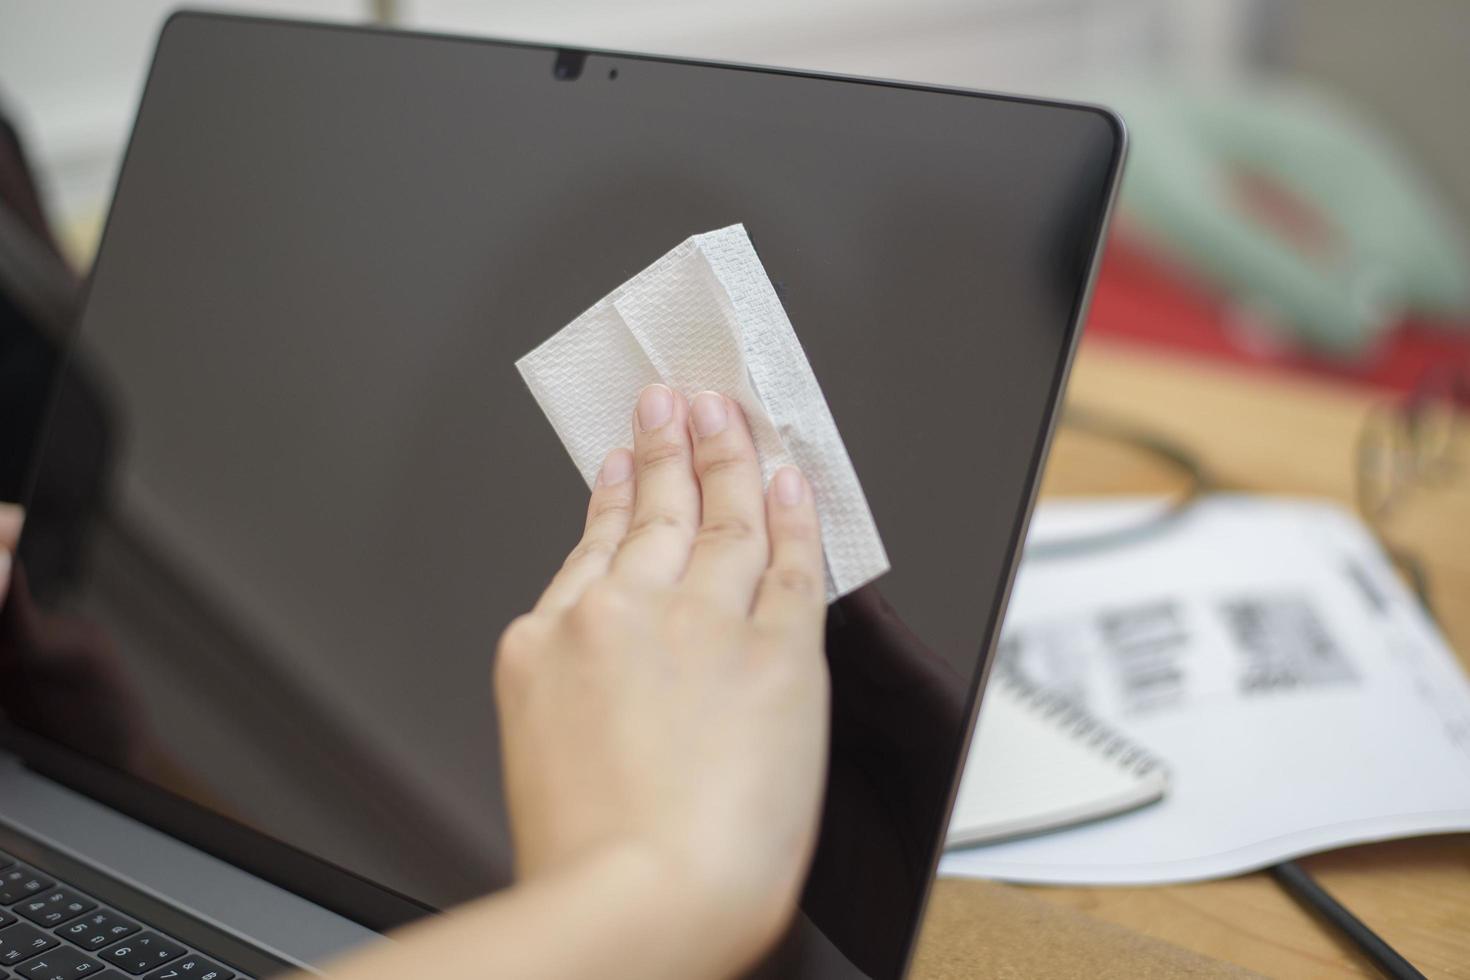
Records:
x=1292, y=205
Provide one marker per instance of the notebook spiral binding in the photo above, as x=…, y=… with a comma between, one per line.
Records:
x=1071, y=717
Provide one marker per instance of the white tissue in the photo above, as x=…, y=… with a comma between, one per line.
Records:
x=706, y=317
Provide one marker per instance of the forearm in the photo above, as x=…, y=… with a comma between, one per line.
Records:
x=617, y=914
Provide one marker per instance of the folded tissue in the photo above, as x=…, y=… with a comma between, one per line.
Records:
x=706, y=317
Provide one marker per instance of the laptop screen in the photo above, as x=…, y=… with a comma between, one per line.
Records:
x=294, y=488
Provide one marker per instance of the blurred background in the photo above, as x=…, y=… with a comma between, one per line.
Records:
x=1297, y=196
x=1283, y=306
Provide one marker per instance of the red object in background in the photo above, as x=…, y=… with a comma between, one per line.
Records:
x=1142, y=299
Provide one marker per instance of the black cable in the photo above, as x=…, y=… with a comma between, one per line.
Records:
x=1103, y=426
x=1294, y=878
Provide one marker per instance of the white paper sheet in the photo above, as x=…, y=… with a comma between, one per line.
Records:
x=706, y=317
x=1266, y=651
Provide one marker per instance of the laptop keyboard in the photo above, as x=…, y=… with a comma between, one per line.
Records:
x=50, y=931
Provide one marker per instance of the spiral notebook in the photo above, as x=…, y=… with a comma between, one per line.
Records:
x=1039, y=763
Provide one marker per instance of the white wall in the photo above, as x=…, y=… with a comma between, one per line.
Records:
x=71, y=70
x=1406, y=66
x=70, y=75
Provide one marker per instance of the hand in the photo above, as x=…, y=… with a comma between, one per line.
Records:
x=11, y=519
x=668, y=694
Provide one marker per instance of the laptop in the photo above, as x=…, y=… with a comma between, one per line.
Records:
x=245, y=659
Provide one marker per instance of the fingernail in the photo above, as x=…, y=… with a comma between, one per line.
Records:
x=788, y=486
x=616, y=468
x=707, y=411
x=655, y=407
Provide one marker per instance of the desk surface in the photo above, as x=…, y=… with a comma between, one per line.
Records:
x=1276, y=434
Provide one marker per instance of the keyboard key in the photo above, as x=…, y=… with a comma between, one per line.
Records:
x=6, y=919
x=62, y=963
x=54, y=907
x=191, y=966
x=98, y=929
x=21, y=882
x=141, y=953
x=21, y=941
x=6, y=860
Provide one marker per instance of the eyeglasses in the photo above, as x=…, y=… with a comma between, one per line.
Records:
x=1410, y=445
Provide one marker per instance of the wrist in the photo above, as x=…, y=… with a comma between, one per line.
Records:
x=694, y=924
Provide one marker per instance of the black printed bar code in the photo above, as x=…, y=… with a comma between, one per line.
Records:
x=1283, y=644
x=1147, y=644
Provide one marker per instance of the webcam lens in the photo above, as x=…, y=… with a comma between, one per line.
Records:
x=568, y=64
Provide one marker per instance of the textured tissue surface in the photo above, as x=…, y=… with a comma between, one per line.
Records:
x=706, y=317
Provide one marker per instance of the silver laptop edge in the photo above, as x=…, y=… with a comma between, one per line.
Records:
x=217, y=893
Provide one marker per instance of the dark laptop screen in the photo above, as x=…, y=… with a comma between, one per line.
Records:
x=296, y=487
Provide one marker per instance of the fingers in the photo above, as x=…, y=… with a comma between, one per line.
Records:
x=608, y=514
x=666, y=508
x=730, y=549
x=792, y=593
x=12, y=516
x=647, y=505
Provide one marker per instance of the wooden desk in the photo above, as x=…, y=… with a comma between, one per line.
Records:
x=1277, y=434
